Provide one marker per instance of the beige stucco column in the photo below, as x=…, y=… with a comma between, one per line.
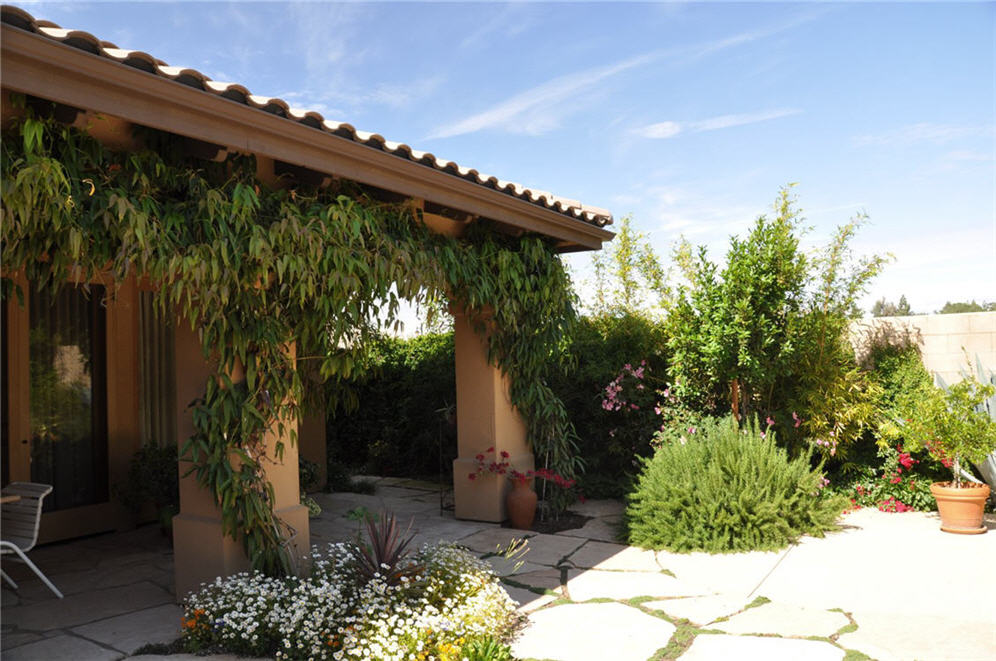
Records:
x=311, y=439
x=201, y=551
x=485, y=418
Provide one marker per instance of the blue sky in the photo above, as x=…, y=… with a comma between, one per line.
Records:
x=689, y=116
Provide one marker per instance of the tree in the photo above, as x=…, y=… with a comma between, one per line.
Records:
x=628, y=276
x=956, y=308
x=768, y=335
x=883, y=308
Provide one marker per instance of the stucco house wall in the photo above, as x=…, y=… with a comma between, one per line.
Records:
x=946, y=339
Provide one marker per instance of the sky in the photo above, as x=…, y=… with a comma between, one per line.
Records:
x=687, y=116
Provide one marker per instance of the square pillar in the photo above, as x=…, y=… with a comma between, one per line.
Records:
x=485, y=418
x=312, y=443
x=201, y=550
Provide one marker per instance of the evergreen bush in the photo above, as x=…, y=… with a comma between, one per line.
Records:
x=611, y=441
x=726, y=489
x=399, y=426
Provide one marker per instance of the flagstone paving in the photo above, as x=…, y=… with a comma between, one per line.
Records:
x=587, y=597
x=715, y=648
x=596, y=631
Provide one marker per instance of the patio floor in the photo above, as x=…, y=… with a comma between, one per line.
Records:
x=881, y=586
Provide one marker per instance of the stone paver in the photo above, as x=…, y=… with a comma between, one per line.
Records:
x=550, y=549
x=133, y=630
x=511, y=566
x=596, y=584
x=887, y=637
x=194, y=657
x=605, y=530
x=15, y=639
x=898, y=618
x=488, y=540
x=728, y=573
x=548, y=579
x=61, y=648
x=710, y=647
x=784, y=620
x=593, y=632
x=601, y=555
x=528, y=601
x=98, y=578
x=87, y=607
x=699, y=610
x=847, y=580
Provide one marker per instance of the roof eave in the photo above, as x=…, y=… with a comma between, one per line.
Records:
x=34, y=65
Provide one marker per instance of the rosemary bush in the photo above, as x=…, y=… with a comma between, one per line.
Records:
x=722, y=488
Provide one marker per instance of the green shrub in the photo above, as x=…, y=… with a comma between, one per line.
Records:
x=153, y=478
x=767, y=334
x=611, y=441
x=399, y=425
x=486, y=649
x=727, y=489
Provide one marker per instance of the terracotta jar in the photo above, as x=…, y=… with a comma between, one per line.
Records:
x=961, y=509
x=520, y=503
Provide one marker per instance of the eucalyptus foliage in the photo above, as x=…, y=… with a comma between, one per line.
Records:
x=256, y=269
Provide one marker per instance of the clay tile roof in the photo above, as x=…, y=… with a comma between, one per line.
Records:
x=19, y=18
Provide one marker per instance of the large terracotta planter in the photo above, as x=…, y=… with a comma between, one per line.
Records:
x=961, y=509
x=521, y=504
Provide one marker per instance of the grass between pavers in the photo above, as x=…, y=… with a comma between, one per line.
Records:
x=683, y=636
x=686, y=631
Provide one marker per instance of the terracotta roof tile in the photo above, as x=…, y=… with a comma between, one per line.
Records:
x=85, y=41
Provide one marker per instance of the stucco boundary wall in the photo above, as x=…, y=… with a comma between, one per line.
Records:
x=944, y=340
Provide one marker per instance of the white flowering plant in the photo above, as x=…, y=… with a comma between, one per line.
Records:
x=451, y=601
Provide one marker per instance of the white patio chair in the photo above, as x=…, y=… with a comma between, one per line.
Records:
x=19, y=526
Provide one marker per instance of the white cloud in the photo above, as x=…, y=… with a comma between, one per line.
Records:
x=513, y=19
x=539, y=109
x=968, y=155
x=946, y=265
x=669, y=129
x=925, y=132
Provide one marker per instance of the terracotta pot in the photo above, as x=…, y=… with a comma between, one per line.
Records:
x=961, y=509
x=521, y=505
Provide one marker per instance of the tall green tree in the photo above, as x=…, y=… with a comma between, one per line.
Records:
x=884, y=308
x=767, y=334
x=628, y=275
x=967, y=306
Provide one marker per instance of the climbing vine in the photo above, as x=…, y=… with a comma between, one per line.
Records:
x=258, y=269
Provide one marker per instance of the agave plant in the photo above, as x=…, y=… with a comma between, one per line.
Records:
x=387, y=553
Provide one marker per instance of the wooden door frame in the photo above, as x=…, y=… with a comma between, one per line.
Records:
x=123, y=430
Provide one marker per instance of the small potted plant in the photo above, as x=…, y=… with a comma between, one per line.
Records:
x=520, y=501
x=953, y=427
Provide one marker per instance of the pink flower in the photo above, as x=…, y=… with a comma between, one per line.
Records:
x=798, y=420
x=770, y=421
